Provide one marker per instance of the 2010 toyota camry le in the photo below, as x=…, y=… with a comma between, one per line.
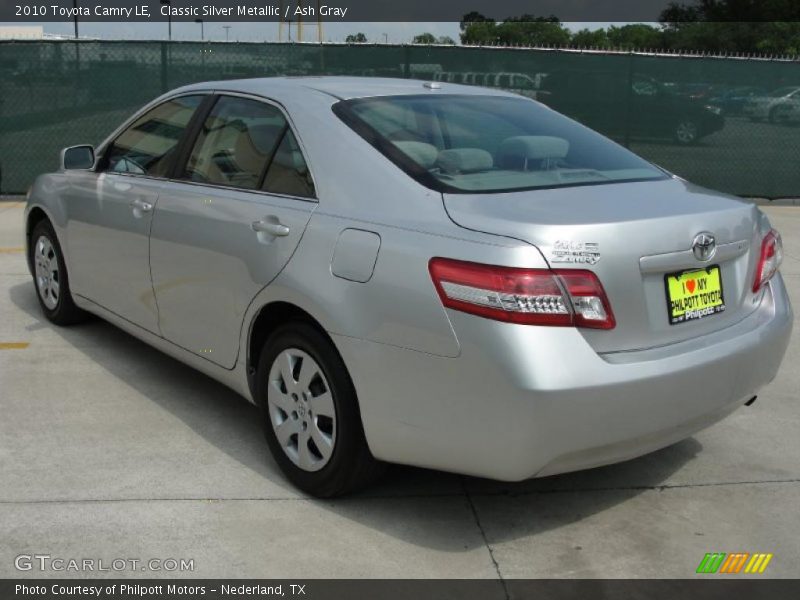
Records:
x=420, y=273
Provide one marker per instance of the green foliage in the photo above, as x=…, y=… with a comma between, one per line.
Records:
x=424, y=38
x=358, y=38
x=586, y=38
x=473, y=17
x=482, y=33
x=769, y=38
x=637, y=35
x=748, y=26
x=763, y=26
x=429, y=38
x=525, y=30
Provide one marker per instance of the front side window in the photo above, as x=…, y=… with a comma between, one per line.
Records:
x=464, y=144
x=236, y=143
x=149, y=145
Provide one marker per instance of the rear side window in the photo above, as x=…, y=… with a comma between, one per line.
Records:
x=288, y=173
x=235, y=144
x=149, y=145
x=467, y=144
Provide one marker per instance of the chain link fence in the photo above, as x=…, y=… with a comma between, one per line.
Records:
x=731, y=124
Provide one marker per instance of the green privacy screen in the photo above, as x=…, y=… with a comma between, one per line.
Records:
x=726, y=123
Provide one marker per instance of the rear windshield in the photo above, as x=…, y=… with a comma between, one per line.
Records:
x=466, y=144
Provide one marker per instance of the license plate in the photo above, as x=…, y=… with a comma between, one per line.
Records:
x=694, y=294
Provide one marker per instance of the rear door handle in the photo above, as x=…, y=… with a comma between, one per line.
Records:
x=140, y=207
x=272, y=226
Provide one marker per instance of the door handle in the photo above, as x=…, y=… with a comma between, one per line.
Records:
x=140, y=206
x=272, y=226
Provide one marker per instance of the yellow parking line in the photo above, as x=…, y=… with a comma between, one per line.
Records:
x=15, y=250
x=14, y=345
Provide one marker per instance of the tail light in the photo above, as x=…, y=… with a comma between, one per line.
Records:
x=769, y=260
x=561, y=297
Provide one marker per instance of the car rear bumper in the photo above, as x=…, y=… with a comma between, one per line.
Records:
x=525, y=401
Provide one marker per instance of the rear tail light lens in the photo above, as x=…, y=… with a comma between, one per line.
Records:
x=564, y=297
x=769, y=260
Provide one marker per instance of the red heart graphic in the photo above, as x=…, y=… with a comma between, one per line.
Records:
x=690, y=285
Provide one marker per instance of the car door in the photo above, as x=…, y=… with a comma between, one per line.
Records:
x=110, y=212
x=228, y=223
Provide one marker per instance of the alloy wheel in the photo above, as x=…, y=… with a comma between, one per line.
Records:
x=686, y=132
x=301, y=409
x=48, y=281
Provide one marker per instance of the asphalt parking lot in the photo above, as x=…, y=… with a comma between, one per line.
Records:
x=727, y=159
x=109, y=449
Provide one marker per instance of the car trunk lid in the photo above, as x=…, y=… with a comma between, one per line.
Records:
x=631, y=235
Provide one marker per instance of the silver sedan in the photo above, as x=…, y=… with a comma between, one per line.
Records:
x=419, y=273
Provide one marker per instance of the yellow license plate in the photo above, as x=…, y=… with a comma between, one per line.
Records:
x=693, y=295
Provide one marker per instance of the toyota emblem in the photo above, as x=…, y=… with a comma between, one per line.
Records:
x=704, y=246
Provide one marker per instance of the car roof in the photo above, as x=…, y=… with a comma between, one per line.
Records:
x=343, y=88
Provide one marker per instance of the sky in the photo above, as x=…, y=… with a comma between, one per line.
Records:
x=395, y=33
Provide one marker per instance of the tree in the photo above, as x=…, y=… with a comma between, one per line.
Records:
x=634, y=36
x=473, y=17
x=358, y=38
x=424, y=38
x=482, y=33
x=586, y=38
x=730, y=11
x=526, y=30
x=768, y=26
x=446, y=40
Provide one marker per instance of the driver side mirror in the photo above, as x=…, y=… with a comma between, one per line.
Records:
x=77, y=157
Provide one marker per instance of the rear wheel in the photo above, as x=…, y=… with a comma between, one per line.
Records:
x=50, y=277
x=310, y=413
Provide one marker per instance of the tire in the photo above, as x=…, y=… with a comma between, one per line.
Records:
x=50, y=277
x=310, y=413
x=686, y=132
x=775, y=114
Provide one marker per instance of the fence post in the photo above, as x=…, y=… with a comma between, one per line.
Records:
x=629, y=101
x=164, y=67
x=76, y=95
x=406, y=61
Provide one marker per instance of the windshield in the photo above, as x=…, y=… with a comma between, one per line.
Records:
x=463, y=144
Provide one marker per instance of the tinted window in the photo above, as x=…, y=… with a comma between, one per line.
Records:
x=149, y=145
x=288, y=173
x=235, y=143
x=489, y=143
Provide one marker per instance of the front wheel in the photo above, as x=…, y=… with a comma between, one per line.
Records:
x=686, y=132
x=310, y=413
x=777, y=114
x=50, y=277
